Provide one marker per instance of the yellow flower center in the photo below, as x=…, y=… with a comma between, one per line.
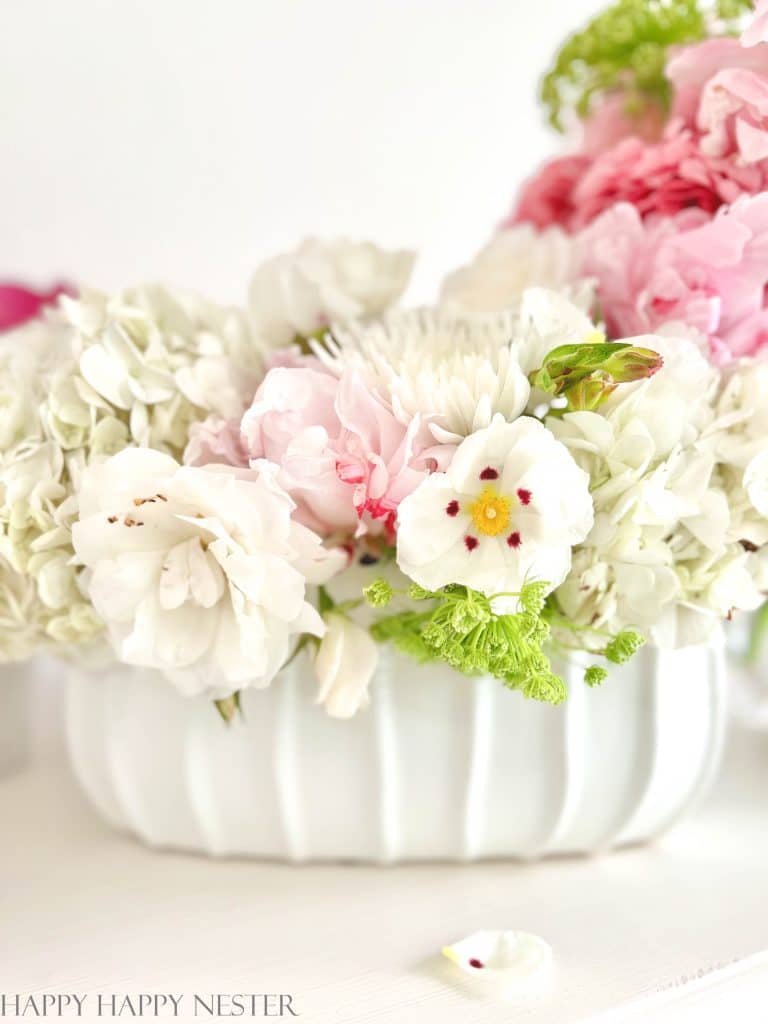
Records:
x=490, y=512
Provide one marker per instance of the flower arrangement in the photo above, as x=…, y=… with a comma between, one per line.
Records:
x=565, y=453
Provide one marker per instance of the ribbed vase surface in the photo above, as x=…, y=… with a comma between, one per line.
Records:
x=438, y=767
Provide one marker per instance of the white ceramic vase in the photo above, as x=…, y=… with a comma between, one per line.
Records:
x=438, y=767
x=14, y=715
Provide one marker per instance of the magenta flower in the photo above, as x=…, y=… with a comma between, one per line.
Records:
x=19, y=303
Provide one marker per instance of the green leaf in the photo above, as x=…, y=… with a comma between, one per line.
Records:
x=228, y=707
x=757, y=635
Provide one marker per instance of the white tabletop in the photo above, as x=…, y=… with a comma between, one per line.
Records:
x=83, y=910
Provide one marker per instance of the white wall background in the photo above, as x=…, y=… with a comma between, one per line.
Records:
x=187, y=139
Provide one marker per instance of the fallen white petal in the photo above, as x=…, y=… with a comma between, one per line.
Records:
x=516, y=962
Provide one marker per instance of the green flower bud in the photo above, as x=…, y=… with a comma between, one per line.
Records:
x=546, y=687
x=378, y=593
x=468, y=614
x=623, y=646
x=533, y=596
x=434, y=636
x=587, y=374
x=595, y=675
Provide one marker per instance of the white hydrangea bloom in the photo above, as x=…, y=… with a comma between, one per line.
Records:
x=300, y=292
x=200, y=573
x=19, y=614
x=509, y=509
x=39, y=597
x=99, y=374
x=741, y=445
x=662, y=555
x=514, y=260
x=149, y=362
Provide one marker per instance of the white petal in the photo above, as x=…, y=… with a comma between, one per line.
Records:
x=510, y=960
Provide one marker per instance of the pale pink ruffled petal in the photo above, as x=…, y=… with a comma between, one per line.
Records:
x=709, y=273
x=344, y=458
x=757, y=31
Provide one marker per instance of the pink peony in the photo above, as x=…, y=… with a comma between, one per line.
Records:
x=612, y=122
x=757, y=31
x=709, y=273
x=19, y=304
x=547, y=197
x=215, y=440
x=661, y=178
x=721, y=92
x=344, y=458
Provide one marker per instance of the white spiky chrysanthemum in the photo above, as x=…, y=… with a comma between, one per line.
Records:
x=458, y=370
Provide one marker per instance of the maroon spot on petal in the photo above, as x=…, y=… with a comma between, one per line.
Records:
x=514, y=540
x=470, y=543
x=489, y=473
x=474, y=962
x=452, y=508
x=524, y=496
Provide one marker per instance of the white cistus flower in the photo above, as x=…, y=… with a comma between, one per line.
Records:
x=514, y=260
x=298, y=293
x=345, y=662
x=508, y=511
x=200, y=573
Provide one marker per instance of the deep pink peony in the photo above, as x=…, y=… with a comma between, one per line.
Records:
x=547, y=197
x=344, y=458
x=661, y=178
x=19, y=304
x=709, y=273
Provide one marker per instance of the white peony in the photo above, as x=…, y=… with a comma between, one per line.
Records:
x=201, y=573
x=510, y=508
x=302, y=291
x=514, y=260
x=344, y=663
